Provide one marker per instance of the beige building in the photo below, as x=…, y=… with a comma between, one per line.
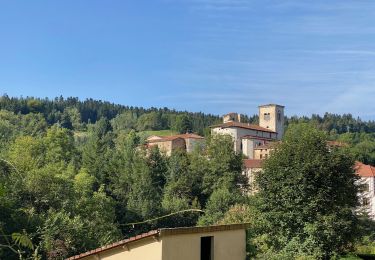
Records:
x=246, y=136
x=225, y=242
x=168, y=144
x=264, y=151
x=271, y=116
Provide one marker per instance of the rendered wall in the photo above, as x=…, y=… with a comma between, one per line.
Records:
x=228, y=245
x=147, y=248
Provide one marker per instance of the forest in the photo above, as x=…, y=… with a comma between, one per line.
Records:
x=74, y=175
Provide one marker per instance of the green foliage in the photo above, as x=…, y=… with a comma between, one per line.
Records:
x=307, y=194
x=182, y=124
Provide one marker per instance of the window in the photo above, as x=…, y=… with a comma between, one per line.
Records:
x=261, y=156
x=365, y=202
x=278, y=116
x=366, y=187
x=266, y=116
x=207, y=252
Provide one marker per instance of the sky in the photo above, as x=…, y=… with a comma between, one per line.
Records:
x=214, y=56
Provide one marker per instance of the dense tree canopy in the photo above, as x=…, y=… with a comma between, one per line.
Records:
x=307, y=195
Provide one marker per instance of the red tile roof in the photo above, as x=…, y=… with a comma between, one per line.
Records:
x=252, y=163
x=364, y=170
x=244, y=126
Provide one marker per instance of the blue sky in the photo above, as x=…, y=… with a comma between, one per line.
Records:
x=213, y=56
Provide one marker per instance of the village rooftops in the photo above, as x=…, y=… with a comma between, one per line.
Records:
x=364, y=170
x=253, y=163
x=243, y=125
x=159, y=234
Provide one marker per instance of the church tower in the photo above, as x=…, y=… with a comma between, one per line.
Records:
x=271, y=116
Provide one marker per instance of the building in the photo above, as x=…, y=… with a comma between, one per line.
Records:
x=251, y=168
x=188, y=243
x=246, y=136
x=271, y=116
x=168, y=144
x=264, y=151
x=367, y=188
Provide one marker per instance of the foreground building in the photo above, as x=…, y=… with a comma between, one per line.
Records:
x=188, y=243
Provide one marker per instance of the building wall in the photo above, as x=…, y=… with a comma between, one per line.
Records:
x=272, y=121
x=228, y=245
x=178, y=144
x=368, y=195
x=262, y=153
x=147, y=248
x=191, y=143
x=237, y=134
x=250, y=173
x=248, y=148
x=168, y=146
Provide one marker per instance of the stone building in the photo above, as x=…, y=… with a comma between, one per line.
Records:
x=246, y=136
x=187, y=243
x=168, y=144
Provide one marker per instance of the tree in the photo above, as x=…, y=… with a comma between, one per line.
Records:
x=307, y=196
x=183, y=124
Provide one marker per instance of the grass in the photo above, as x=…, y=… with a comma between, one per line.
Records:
x=159, y=132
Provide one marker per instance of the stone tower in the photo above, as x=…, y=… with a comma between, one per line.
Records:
x=271, y=116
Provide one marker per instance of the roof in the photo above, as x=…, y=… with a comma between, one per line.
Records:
x=252, y=163
x=159, y=233
x=268, y=145
x=364, y=170
x=157, y=139
x=269, y=105
x=244, y=126
x=190, y=136
x=165, y=139
x=256, y=137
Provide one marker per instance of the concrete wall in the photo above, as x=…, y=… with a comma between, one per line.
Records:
x=228, y=245
x=145, y=249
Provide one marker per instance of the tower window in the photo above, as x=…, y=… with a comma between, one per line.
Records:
x=207, y=248
x=266, y=116
x=278, y=116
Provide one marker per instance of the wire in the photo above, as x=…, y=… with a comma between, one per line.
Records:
x=161, y=217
